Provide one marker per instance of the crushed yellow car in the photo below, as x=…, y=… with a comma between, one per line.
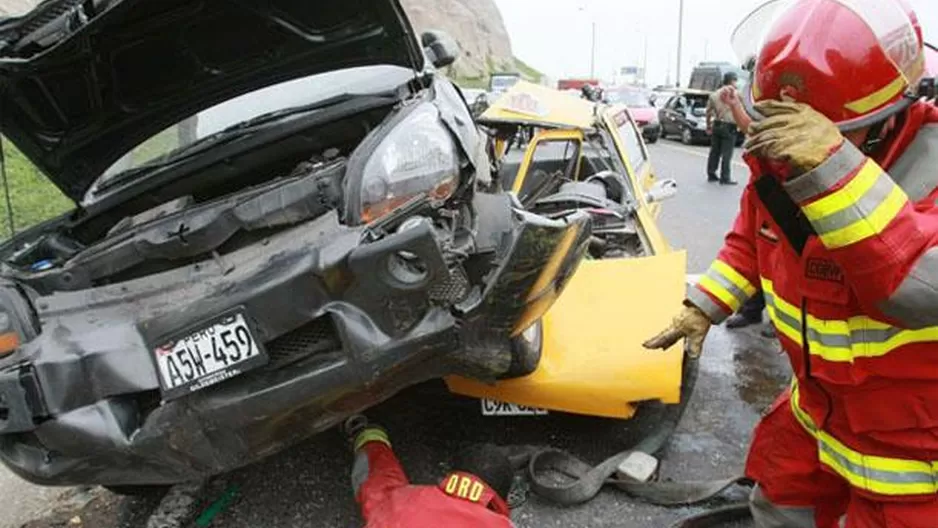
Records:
x=585, y=355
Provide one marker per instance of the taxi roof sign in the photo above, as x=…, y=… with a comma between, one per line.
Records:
x=527, y=103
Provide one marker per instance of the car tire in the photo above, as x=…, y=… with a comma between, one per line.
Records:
x=526, y=349
x=653, y=138
x=687, y=137
x=663, y=134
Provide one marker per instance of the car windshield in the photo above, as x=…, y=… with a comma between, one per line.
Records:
x=698, y=104
x=630, y=98
x=270, y=100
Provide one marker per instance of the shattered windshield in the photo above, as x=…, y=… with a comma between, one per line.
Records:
x=269, y=100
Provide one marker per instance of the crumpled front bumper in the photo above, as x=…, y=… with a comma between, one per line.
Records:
x=81, y=403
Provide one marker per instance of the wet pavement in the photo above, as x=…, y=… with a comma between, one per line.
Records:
x=740, y=374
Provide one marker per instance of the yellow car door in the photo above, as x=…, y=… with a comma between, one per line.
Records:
x=592, y=361
x=633, y=151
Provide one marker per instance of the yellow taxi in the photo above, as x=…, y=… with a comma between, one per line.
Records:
x=585, y=356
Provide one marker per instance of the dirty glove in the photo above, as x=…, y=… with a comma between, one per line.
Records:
x=690, y=324
x=793, y=134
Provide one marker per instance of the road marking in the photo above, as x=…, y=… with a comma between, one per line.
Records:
x=699, y=154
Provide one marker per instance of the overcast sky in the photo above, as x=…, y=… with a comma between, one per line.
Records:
x=554, y=35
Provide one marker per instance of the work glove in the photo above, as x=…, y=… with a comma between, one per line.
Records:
x=691, y=325
x=794, y=135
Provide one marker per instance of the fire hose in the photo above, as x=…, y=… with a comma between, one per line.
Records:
x=583, y=482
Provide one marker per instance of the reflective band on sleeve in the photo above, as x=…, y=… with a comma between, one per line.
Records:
x=822, y=179
x=914, y=302
x=701, y=300
x=371, y=435
x=860, y=209
x=727, y=285
x=841, y=341
x=882, y=475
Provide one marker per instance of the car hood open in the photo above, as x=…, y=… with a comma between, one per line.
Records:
x=83, y=82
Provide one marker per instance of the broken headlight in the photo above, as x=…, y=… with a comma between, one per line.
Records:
x=417, y=157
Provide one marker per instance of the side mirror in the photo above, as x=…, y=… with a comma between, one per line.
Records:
x=441, y=49
x=661, y=191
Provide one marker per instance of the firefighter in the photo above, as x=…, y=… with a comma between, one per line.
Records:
x=472, y=495
x=838, y=227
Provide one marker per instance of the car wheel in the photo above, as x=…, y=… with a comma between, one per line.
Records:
x=653, y=138
x=663, y=134
x=526, y=350
x=687, y=137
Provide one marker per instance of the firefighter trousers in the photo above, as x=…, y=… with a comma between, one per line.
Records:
x=795, y=491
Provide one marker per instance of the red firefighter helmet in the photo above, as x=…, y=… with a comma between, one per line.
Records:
x=855, y=61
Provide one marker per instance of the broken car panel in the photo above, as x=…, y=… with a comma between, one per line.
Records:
x=272, y=234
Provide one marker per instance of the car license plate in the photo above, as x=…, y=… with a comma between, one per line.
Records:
x=497, y=408
x=210, y=354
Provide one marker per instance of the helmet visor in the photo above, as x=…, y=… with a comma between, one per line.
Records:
x=888, y=20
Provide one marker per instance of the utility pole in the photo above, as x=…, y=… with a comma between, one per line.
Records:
x=593, y=53
x=680, y=40
x=645, y=63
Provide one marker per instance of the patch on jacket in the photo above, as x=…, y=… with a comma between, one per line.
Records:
x=767, y=233
x=825, y=270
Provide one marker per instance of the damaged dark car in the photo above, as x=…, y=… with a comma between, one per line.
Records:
x=283, y=217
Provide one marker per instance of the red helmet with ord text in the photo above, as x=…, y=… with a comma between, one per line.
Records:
x=855, y=61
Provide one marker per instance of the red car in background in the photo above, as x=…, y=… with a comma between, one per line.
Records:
x=639, y=104
x=575, y=84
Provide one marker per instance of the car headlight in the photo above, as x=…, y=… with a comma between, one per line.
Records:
x=417, y=157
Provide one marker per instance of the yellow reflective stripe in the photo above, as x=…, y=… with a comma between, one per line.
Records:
x=878, y=98
x=883, y=475
x=371, y=435
x=882, y=339
x=847, y=195
x=717, y=290
x=872, y=225
x=733, y=276
x=841, y=341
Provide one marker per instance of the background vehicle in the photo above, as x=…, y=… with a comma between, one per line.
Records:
x=708, y=76
x=261, y=248
x=591, y=157
x=576, y=84
x=499, y=83
x=639, y=105
x=684, y=116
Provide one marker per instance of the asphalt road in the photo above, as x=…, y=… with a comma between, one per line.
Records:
x=308, y=485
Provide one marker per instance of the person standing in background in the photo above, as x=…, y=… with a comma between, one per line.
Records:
x=721, y=126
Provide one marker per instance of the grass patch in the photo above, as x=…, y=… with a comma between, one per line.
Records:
x=34, y=198
x=527, y=71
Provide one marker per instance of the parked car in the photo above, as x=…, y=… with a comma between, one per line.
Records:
x=271, y=233
x=591, y=157
x=641, y=108
x=684, y=116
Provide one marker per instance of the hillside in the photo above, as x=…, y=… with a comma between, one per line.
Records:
x=478, y=27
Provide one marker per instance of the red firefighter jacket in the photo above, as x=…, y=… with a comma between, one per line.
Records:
x=388, y=500
x=857, y=310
